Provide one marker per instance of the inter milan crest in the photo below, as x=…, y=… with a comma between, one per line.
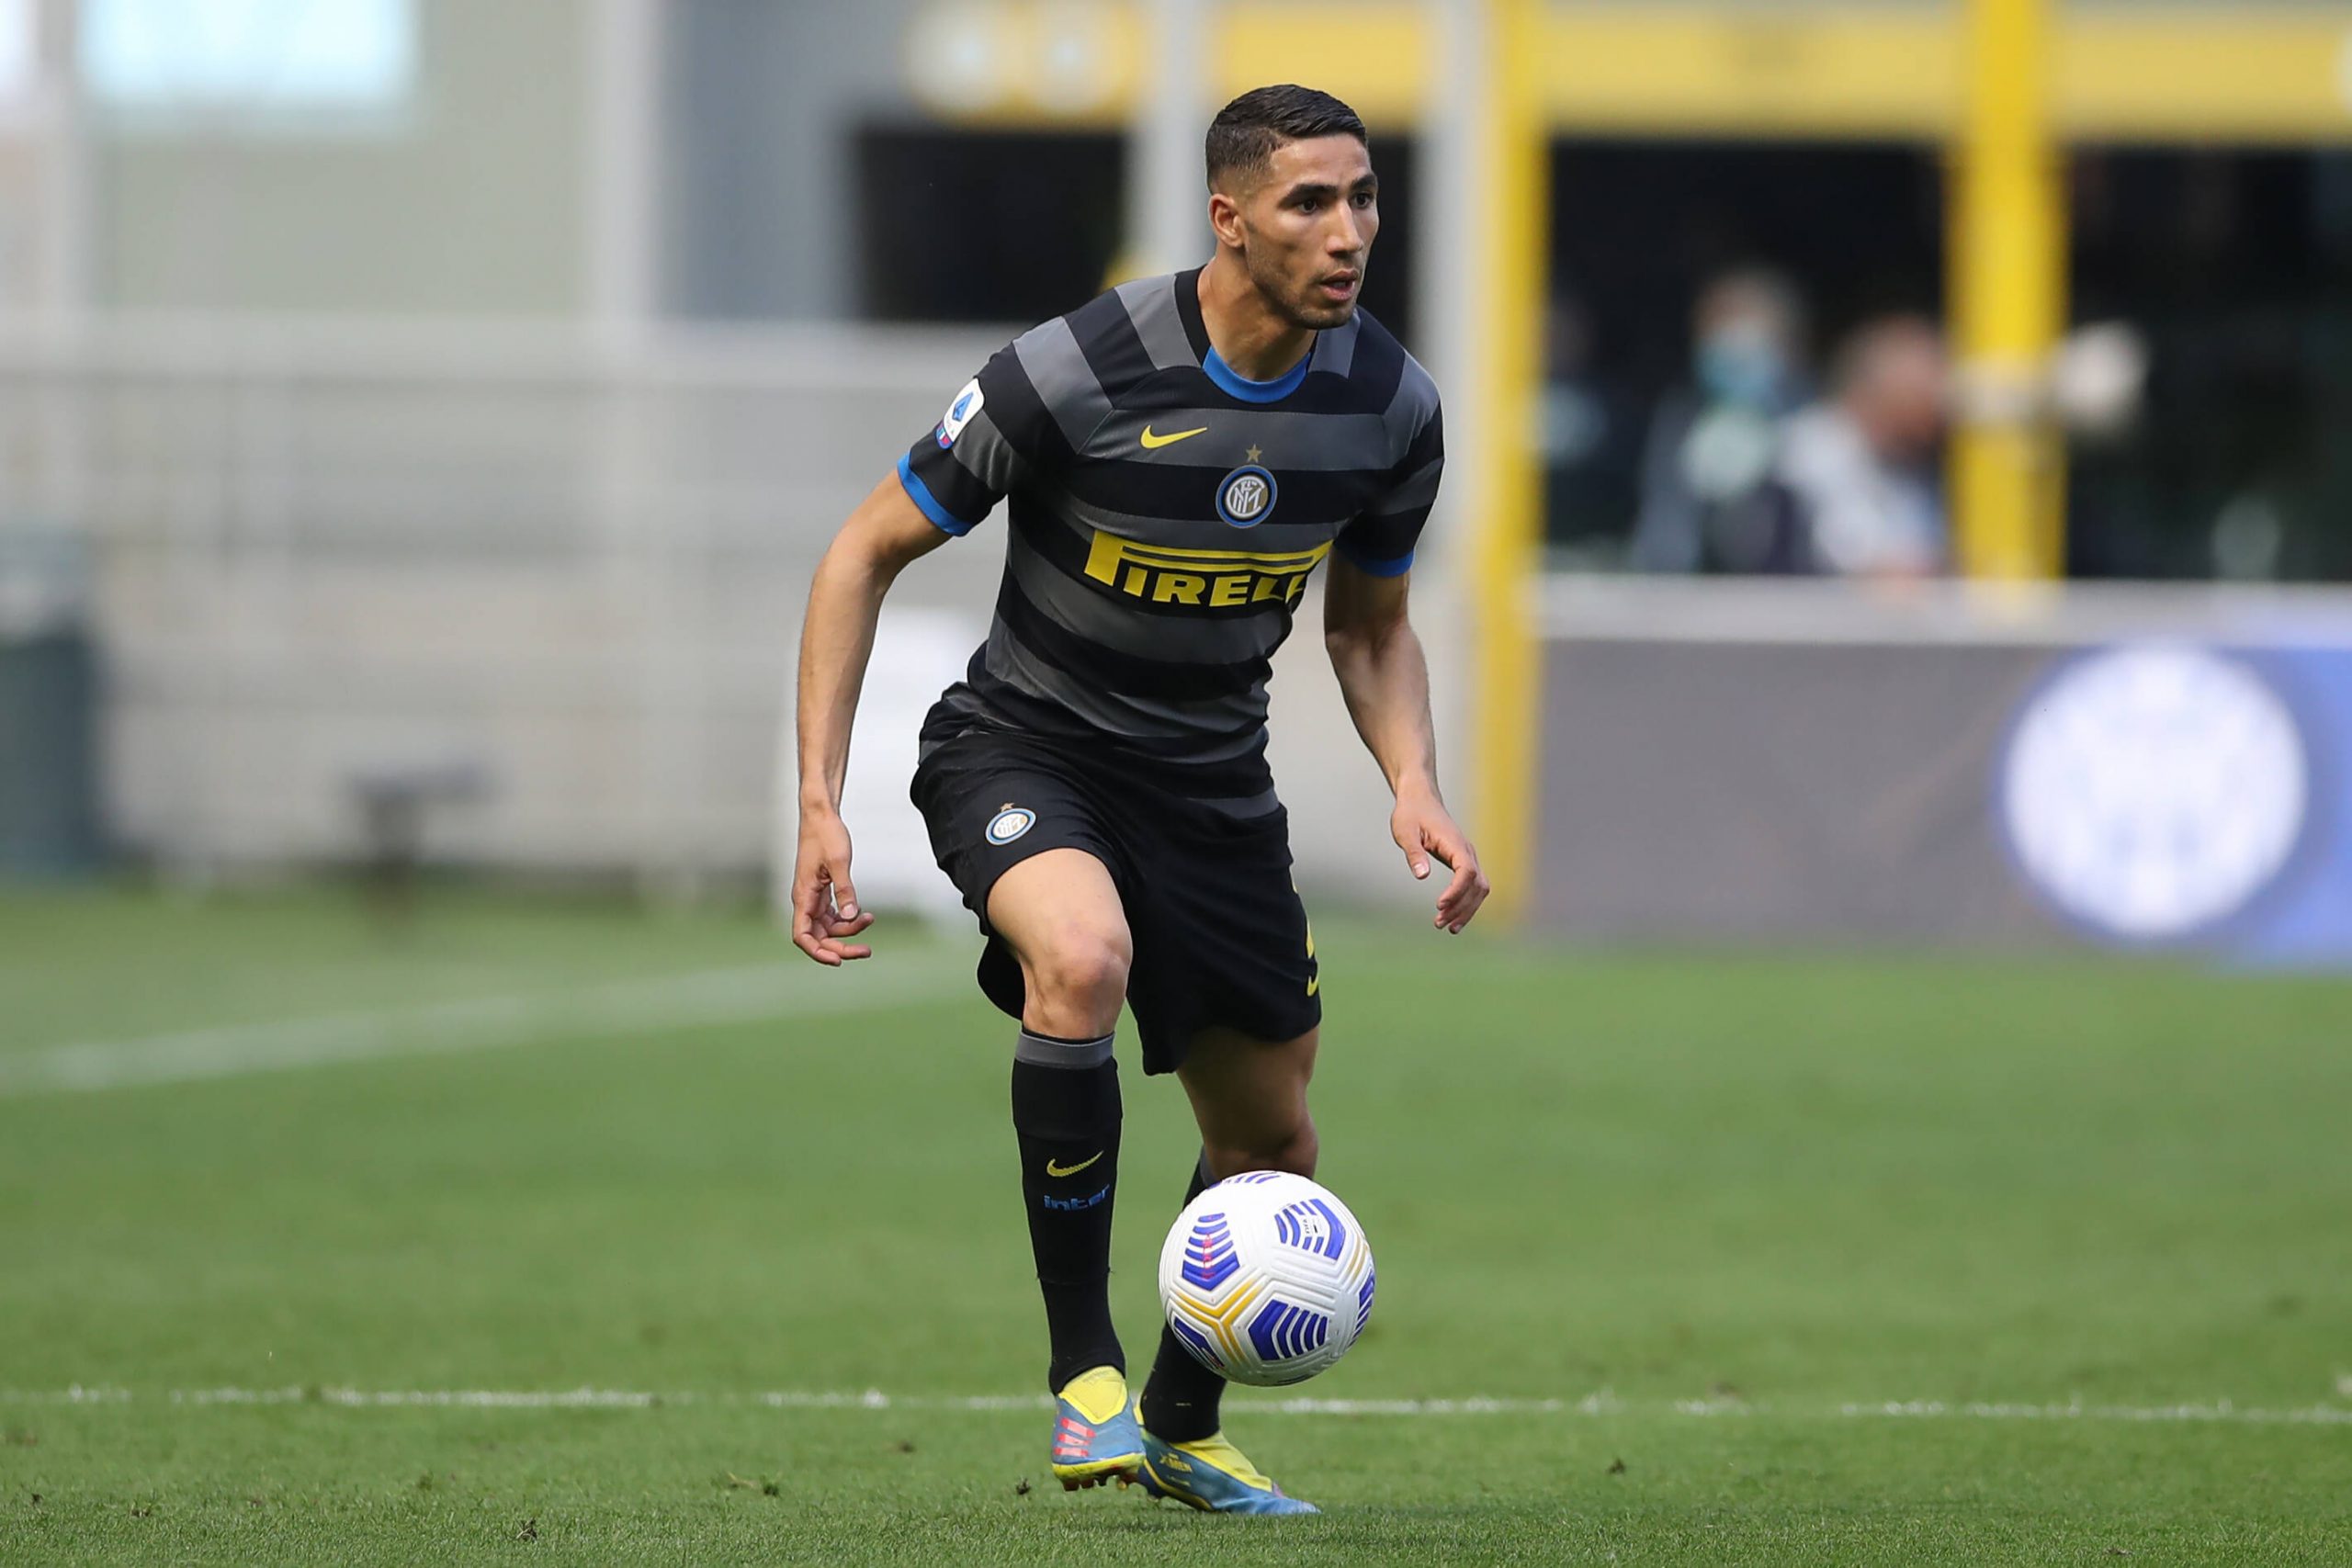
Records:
x=1010, y=823
x=1245, y=496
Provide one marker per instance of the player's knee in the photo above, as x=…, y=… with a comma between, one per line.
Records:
x=1082, y=970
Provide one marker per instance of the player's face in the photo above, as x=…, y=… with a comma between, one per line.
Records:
x=1306, y=229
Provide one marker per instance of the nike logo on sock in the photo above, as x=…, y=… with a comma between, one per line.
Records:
x=1053, y=1168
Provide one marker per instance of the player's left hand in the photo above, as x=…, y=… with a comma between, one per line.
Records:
x=1426, y=831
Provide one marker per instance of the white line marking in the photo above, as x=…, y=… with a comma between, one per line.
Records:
x=2221, y=1412
x=600, y=1011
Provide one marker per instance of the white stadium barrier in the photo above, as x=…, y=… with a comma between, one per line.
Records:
x=568, y=570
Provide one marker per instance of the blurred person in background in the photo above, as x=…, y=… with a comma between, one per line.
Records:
x=1708, y=503
x=1859, y=468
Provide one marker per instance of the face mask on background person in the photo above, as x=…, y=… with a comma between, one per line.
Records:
x=1741, y=362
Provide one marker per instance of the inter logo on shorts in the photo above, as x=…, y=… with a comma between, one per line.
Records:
x=1245, y=496
x=1009, y=824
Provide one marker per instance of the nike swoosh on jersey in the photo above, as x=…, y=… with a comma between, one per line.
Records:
x=1154, y=443
x=1054, y=1169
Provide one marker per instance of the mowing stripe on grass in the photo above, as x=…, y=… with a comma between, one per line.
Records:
x=2221, y=1412
x=785, y=988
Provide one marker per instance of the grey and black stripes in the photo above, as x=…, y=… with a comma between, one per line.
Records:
x=1152, y=306
x=1066, y=384
x=1164, y=519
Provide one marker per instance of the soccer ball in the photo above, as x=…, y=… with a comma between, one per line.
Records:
x=1266, y=1278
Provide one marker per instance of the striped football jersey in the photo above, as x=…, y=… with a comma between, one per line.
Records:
x=1163, y=516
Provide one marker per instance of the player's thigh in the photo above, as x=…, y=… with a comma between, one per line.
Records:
x=1250, y=1097
x=1060, y=913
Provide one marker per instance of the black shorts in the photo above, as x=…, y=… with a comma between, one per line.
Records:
x=1220, y=936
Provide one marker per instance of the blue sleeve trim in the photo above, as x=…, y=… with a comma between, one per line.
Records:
x=928, y=503
x=1373, y=566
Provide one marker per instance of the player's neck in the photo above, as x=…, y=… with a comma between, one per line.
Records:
x=1245, y=332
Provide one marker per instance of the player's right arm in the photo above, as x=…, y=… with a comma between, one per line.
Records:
x=886, y=532
x=997, y=429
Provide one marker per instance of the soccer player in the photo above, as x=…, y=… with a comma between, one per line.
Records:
x=1179, y=456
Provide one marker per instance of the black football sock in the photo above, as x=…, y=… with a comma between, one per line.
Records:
x=1180, y=1402
x=1066, y=1110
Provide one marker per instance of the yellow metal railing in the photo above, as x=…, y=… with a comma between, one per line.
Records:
x=2117, y=72
x=2008, y=264
x=1507, y=666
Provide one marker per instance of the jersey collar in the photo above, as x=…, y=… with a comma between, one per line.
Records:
x=1227, y=380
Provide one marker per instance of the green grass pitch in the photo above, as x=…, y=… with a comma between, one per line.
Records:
x=1693, y=1220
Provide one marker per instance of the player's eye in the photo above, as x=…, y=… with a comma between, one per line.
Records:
x=1365, y=199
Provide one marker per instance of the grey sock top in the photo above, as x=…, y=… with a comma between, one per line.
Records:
x=1044, y=1050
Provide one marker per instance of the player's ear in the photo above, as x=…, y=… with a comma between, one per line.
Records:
x=1225, y=217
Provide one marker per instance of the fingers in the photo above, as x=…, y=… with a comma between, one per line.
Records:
x=839, y=916
x=831, y=934
x=1449, y=903
x=832, y=949
x=823, y=921
x=1466, y=891
x=808, y=895
x=1417, y=860
x=835, y=926
x=824, y=950
x=1455, y=915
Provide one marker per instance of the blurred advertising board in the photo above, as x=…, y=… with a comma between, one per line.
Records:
x=2143, y=768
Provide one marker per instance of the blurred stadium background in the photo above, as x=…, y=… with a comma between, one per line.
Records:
x=1900, y=505
x=421, y=418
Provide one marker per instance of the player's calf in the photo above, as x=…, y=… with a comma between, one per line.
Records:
x=1066, y=1113
x=1250, y=1097
x=1293, y=1148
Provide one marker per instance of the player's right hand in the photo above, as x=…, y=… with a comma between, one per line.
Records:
x=824, y=904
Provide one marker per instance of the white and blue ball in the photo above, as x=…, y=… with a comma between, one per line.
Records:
x=1266, y=1278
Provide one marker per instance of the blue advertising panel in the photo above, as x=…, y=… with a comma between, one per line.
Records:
x=2176, y=794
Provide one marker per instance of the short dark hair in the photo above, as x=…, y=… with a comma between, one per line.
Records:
x=1243, y=136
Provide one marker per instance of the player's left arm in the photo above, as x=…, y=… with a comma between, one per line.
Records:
x=1385, y=677
x=1383, y=672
